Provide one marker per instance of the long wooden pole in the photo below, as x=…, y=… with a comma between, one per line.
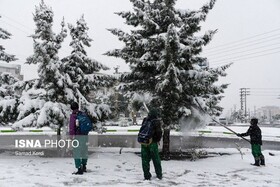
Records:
x=220, y=123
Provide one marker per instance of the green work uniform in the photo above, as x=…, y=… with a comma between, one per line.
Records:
x=148, y=153
x=80, y=152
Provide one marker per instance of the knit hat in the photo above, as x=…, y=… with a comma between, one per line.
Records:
x=254, y=121
x=74, y=106
x=153, y=113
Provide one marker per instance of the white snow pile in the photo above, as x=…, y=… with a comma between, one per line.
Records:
x=109, y=168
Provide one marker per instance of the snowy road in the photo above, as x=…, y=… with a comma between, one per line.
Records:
x=109, y=168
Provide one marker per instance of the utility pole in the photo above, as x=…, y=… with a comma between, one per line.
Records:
x=243, y=101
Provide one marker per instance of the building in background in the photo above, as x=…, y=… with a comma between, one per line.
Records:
x=268, y=114
x=14, y=69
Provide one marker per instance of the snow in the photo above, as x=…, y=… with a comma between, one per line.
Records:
x=109, y=168
x=27, y=120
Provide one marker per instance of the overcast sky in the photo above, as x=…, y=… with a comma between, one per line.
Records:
x=248, y=35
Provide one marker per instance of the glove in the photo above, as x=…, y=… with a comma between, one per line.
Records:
x=239, y=135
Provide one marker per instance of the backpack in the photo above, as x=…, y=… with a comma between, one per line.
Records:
x=85, y=124
x=145, y=135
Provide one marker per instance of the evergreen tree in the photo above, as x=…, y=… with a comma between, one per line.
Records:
x=6, y=82
x=8, y=92
x=163, y=51
x=82, y=72
x=9, y=95
x=3, y=55
x=44, y=101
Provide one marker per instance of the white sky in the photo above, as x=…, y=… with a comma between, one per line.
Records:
x=235, y=20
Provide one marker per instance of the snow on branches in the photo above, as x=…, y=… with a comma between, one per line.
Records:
x=163, y=51
x=3, y=55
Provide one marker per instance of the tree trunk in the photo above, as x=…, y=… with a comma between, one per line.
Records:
x=166, y=144
x=58, y=131
x=133, y=114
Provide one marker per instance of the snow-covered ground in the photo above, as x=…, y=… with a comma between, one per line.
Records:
x=109, y=168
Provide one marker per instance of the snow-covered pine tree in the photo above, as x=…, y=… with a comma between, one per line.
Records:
x=163, y=51
x=8, y=102
x=3, y=55
x=9, y=96
x=82, y=72
x=44, y=101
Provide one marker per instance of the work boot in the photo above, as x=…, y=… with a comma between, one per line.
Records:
x=79, y=172
x=159, y=177
x=262, y=160
x=84, y=168
x=148, y=177
x=257, y=162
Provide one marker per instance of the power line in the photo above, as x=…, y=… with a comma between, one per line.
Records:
x=237, y=41
x=247, y=44
x=264, y=95
x=266, y=88
x=29, y=34
x=260, y=47
x=264, y=92
x=17, y=22
x=230, y=60
x=15, y=27
x=248, y=54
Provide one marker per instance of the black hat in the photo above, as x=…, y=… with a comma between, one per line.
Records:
x=74, y=106
x=254, y=121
